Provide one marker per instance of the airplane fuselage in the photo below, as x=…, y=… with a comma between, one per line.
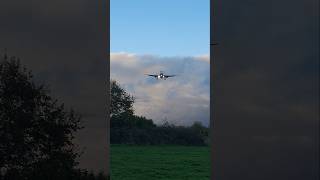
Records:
x=161, y=76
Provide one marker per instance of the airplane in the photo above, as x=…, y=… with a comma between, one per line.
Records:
x=161, y=75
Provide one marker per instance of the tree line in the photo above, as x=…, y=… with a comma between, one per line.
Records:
x=128, y=128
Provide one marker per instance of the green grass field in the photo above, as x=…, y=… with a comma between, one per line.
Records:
x=159, y=162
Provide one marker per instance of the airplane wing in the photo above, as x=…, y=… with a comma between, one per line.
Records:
x=166, y=76
x=153, y=75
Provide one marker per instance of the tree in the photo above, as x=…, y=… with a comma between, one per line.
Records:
x=36, y=131
x=128, y=128
x=201, y=130
x=121, y=101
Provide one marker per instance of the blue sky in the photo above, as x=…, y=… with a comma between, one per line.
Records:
x=148, y=36
x=160, y=27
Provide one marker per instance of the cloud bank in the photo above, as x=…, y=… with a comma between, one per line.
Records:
x=180, y=100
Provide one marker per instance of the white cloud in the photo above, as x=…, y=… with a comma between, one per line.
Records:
x=181, y=100
x=204, y=57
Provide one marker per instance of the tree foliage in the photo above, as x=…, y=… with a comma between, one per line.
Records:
x=121, y=101
x=36, y=131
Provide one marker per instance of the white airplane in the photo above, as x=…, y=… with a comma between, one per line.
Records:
x=161, y=75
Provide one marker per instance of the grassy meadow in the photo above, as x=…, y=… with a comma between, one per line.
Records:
x=131, y=162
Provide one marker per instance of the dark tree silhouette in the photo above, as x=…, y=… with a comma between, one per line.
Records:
x=121, y=101
x=36, y=131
